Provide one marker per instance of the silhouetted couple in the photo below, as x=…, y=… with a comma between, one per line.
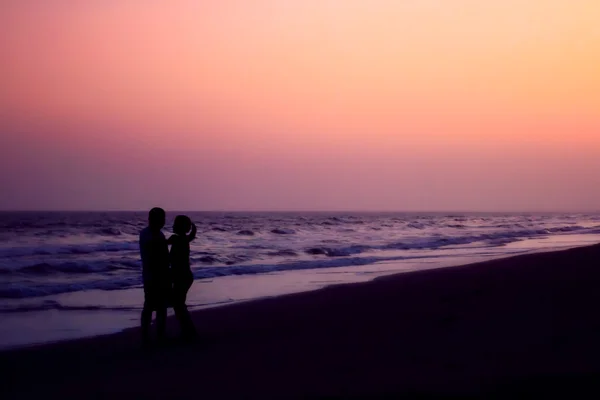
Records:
x=166, y=275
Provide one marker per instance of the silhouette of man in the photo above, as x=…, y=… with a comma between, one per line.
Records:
x=154, y=252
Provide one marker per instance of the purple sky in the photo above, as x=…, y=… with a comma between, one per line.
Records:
x=461, y=105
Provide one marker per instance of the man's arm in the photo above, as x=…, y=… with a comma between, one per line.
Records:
x=151, y=251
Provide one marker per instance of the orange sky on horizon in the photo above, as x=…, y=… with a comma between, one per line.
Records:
x=464, y=91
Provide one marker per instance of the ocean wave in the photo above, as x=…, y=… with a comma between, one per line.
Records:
x=214, y=272
x=434, y=242
x=417, y=225
x=283, y=253
x=280, y=231
x=347, y=256
x=62, y=233
x=108, y=232
x=207, y=259
x=21, y=291
x=46, y=250
x=70, y=268
x=36, y=253
x=55, y=305
x=317, y=250
x=73, y=267
x=338, y=252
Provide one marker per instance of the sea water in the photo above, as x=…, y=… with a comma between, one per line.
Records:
x=74, y=274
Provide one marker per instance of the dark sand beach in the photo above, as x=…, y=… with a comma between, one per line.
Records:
x=523, y=325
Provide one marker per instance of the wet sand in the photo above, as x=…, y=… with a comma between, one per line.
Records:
x=522, y=325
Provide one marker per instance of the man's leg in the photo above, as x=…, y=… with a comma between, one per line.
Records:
x=162, y=299
x=161, y=322
x=149, y=306
x=146, y=321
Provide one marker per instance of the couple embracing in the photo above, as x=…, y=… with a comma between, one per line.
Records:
x=166, y=274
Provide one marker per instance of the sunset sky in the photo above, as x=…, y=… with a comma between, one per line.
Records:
x=452, y=105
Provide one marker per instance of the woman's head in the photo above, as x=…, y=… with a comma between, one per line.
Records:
x=182, y=225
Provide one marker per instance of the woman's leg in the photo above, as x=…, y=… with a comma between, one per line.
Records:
x=181, y=311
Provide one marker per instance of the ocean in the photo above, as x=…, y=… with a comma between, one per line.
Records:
x=73, y=274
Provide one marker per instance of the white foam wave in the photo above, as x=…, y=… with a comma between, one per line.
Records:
x=47, y=250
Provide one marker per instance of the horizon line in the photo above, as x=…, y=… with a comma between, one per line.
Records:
x=298, y=211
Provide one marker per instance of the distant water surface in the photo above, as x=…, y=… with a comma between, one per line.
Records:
x=51, y=253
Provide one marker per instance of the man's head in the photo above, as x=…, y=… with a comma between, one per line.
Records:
x=156, y=218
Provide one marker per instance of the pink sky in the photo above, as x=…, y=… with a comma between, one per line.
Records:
x=300, y=105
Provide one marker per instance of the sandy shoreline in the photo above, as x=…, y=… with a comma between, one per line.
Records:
x=522, y=323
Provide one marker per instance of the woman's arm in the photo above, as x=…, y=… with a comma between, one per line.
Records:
x=192, y=234
x=171, y=239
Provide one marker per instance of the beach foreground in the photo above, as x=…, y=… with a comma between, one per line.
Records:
x=527, y=324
